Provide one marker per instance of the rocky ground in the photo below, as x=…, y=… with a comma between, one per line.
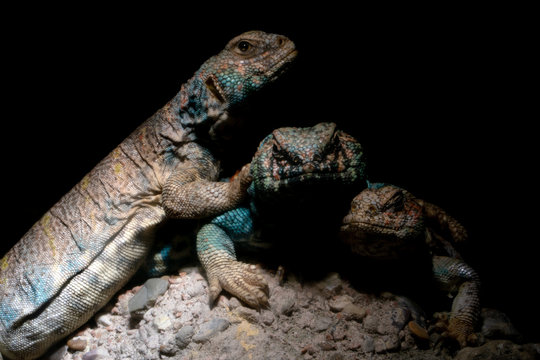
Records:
x=169, y=318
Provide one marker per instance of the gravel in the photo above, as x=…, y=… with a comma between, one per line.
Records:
x=325, y=319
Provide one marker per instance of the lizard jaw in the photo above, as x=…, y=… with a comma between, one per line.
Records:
x=214, y=89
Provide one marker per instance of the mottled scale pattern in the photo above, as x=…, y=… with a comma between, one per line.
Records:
x=287, y=165
x=90, y=243
x=388, y=222
x=456, y=277
x=218, y=257
x=385, y=222
x=290, y=157
x=67, y=241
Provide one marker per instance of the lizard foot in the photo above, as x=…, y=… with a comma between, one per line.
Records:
x=456, y=329
x=242, y=280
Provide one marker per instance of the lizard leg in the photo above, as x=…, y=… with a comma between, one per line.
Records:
x=454, y=275
x=445, y=221
x=217, y=255
x=192, y=193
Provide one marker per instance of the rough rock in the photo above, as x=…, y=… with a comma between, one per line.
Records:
x=96, y=354
x=210, y=329
x=496, y=325
x=325, y=319
x=500, y=350
x=147, y=295
x=76, y=344
x=339, y=303
x=184, y=335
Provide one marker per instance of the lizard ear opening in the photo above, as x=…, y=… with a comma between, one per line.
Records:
x=213, y=86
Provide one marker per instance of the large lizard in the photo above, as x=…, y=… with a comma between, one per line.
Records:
x=293, y=170
x=85, y=248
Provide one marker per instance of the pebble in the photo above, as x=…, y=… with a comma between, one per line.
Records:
x=327, y=345
x=77, y=344
x=104, y=320
x=197, y=289
x=387, y=343
x=156, y=287
x=168, y=346
x=308, y=349
x=496, y=325
x=233, y=303
x=386, y=321
x=184, y=335
x=354, y=312
x=283, y=303
x=267, y=317
x=418, y=330
x=210, y=329
x=399, y=318
x=331, y=285
x=339, y=332
x=147, y=294
x=96, y=354
x=162, y=322
x=57, y=354
x=370, y=323
x=248, y=314
x=368, y=345
x=139, y=301
x=321, y=323
x=499, y=349
x=338, y=303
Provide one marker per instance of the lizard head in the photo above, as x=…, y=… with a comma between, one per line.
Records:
x=293, y=160
x=384, y=221
x=248, y=63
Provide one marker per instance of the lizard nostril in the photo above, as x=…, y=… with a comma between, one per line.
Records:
x=281, y=40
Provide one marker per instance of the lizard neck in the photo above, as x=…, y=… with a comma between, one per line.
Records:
x=192, y=115
x=201, y=109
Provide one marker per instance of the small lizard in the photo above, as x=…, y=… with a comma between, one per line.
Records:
x=388, y=222
x=292, y=167
x=85, y=248
x=384, y=222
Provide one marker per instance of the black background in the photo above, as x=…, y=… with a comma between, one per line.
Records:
x=437, y=96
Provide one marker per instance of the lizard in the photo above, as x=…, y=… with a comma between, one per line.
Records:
x=384, y=222
x=88, y=245
x=292, y=170
x=388, y=222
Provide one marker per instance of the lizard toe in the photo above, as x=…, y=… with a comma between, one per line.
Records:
x=246, y=283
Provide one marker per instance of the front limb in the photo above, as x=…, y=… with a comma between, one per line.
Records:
x=438, y=217
x=217, y=255
x=193, y=193
x=455, y=276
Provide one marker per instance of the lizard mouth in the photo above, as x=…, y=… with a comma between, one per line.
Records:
x=368, y=230
x=302, y=181
x=215, y=89
x=274, y=72
x=282, y=65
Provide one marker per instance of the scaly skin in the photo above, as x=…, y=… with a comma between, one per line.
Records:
x=85, y=248
x=388, y=222
x=290, y=165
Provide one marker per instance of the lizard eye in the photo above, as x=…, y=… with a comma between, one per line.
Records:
x=372, y=210
x=395, y=203
x=277, y=152
x=244, y=46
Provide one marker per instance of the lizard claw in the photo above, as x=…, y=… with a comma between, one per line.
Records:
x=242, y=280
x=462, y=332
x=457, y=330
x=243, y=176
